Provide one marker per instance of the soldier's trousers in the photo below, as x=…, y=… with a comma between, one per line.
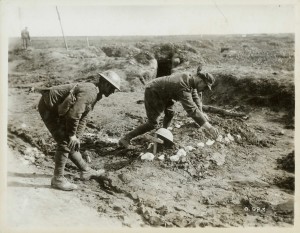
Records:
x=154, y=106
x=25, y=43
x=57, y=128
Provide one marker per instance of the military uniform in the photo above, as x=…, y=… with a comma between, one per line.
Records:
x=25, y=38
x=72, y=123
x=160, y=95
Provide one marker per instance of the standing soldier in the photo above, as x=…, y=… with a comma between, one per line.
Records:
x=160, y=95
x=25, y=38
x=64, y=110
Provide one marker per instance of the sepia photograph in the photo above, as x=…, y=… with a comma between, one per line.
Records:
x=154, y=115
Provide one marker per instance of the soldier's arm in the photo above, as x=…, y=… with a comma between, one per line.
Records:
x=76, y=113
x=191, y=108
x=82, y=125
x=197, y=98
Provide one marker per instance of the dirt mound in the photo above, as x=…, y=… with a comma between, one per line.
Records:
x=260, y=84
x=261, y=91
x=120, y=50
x=287, y=163
x=287, y=182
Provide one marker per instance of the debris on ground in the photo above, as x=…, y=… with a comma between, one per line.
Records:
x=147, y=156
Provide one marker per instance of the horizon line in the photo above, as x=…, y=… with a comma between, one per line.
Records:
x=225, y=34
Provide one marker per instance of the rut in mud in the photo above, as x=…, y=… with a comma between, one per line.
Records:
x=246, y=178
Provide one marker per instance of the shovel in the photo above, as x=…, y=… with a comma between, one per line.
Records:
x=155, y=140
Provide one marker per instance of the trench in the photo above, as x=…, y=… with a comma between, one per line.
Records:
x=164, y=67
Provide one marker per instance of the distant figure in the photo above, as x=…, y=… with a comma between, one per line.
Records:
x=25, y=38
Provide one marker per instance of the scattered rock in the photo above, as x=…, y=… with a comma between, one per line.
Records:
x=220, y=138
x=180, y=222
x=189, y=148
x=141, y=210
x=181, y=152
x=230, y=137
x=163, y=210
x=174, y=158
x=227, y=140
x=238, y=137
x=218, y=158
x=155, y=221
x=162, y=157
x=200, y=144
x=183, y=159
x=210, y=142
x=147, y=156
x=177, y=126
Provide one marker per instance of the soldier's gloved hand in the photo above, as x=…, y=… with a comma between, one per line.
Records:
x=211, y=130
x=74, y=143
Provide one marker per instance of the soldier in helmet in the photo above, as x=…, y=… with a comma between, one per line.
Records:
x=160, y=95
x=64, y=110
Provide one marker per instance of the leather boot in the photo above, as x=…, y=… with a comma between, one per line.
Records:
x=167, y=121
x=125, y=141
x=59, y=181
x=86, y=172
x=76, y=158
x=91, y=173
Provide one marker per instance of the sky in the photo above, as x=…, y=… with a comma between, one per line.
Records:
x=118, y=20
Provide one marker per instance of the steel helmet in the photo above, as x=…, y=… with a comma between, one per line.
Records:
x=112, y=78
x=165, y=133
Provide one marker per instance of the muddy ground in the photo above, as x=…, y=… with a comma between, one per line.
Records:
x=245, y=181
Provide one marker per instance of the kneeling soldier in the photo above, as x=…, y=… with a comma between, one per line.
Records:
x=160, y=95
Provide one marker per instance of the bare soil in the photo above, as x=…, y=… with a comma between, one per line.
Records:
x=247, y=181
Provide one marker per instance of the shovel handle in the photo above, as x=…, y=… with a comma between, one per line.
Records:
x=153, y=139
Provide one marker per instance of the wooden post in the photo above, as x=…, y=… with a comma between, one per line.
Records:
x=87, y=42
x=155, y=146
x=61, y=28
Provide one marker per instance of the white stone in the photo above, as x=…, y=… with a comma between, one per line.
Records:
x=210, y=142
x=227, y=140
x=220, y=138
x=230, y=137
x=174, y=158
x=112, y=140
x=181, y=152
x=23, y=125
x=189, y=148
x=147, y=156
x=200, y=144
x=162, y=157
x=238, y=137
